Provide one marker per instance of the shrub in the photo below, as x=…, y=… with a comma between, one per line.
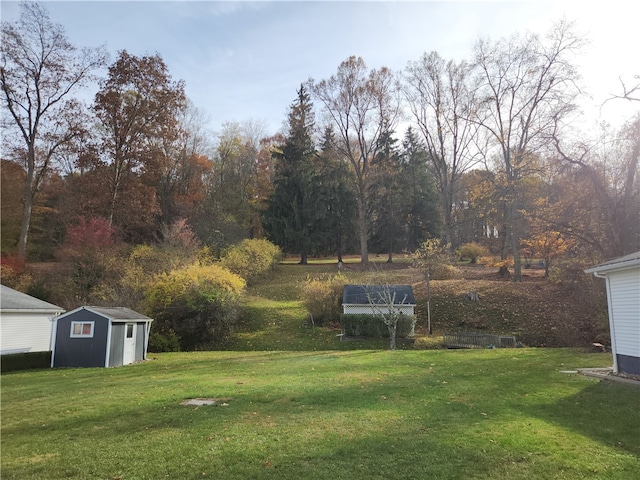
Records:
x=432, y=252
x=323, y=297
x=25, y=361
x=434, y=256
x=163, y=340
x=363, y=325
x=471, y=251
x=251, y=258
x=445, y=272
x=200, y=303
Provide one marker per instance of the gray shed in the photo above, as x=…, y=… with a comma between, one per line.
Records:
x=100, y=337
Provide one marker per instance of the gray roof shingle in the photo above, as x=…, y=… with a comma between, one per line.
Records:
x=11, y=299
x=118, y=313
x=360, y=294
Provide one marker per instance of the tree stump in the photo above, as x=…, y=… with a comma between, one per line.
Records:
x=504, y=272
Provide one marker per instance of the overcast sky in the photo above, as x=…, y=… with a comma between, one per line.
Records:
x=244, y=60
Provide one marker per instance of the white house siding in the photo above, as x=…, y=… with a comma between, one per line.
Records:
x=25, y=332
x=625, y=306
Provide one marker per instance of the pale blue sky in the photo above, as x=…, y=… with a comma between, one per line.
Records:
x=244, y=60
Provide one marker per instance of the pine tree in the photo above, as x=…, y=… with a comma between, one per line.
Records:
x=423, y=218
x=387, y=204
x=339, y=197
x=291, y=216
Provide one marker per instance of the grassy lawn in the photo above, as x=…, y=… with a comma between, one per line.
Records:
x=295, y=403
x=331, y=414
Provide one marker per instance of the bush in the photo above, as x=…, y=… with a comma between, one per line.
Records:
x=471, y=251
x=200, y=303
x=163, y=340
x=25, y=361
x=323, y=297
x=251, y=258
x=445, y=272
x=363, y=325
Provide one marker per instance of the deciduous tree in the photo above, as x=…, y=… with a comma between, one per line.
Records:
x=442, y=101
x=363, y=106
x=40, y=71
x=527, y=85
x=137, y=106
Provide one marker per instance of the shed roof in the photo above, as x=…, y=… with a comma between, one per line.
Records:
x=115, y=314
x=365, y=294
x=13, y=300
x=631, y=260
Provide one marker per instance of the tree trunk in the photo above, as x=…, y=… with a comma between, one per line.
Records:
x=28, y=196
x=392, y=335
x=515, y=244
x=364, y=233
x=26, y=221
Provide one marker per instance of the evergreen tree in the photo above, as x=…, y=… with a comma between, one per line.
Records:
x=423, y=218
x=291, y=217
x=403, y=197
x=387, y=205
x=338, y=196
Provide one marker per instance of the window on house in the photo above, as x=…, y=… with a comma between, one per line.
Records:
x=130, y=330
x=82, y=329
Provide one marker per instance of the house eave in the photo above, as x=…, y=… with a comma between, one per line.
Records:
x=31, y=310
x=614, y=266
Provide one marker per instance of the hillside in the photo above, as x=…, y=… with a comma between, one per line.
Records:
x=537, y=311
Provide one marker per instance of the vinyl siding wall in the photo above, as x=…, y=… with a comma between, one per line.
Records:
x=25, y=332
x=625, y=306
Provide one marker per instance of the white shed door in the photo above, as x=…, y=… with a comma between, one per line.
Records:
x=129, y=354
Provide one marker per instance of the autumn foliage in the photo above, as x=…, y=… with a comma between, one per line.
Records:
x=89, y=234
x=251, y=258
x=199, y=304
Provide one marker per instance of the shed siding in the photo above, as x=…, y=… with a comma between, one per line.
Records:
x=81, y=352
x=625, y=300
x=140, y=341
x=25, y=332
x=116, y=349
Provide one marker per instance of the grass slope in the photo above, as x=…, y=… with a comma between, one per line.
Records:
x=537, y=312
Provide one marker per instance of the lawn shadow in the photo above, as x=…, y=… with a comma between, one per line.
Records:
x=605, y=412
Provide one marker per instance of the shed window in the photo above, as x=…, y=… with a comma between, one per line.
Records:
x=82, y=329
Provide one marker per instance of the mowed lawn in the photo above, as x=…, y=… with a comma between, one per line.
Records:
x=370, y=414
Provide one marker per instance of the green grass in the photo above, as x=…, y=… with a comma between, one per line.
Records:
x=298, y=403
x=324, y=415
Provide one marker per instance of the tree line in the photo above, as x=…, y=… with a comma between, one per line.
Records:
x=478, y=150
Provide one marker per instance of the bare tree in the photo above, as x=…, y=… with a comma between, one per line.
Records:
x=39, y=72
x=527, y=85
x=385, y=304
x=600, y=205
x=629, y=92
x=364, y=107
x=442, y=102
